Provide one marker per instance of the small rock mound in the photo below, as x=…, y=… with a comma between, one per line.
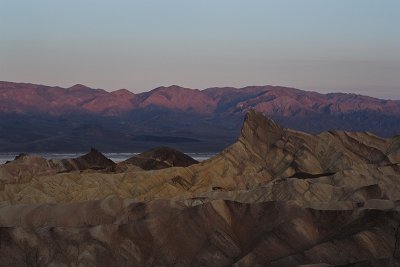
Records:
x=93, y=160
x=161, y=158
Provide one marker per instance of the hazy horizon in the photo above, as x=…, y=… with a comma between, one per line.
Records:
x=323, y=46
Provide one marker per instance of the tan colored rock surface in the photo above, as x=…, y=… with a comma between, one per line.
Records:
x=276, y=197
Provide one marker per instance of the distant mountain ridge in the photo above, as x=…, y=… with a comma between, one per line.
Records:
x=272, y=100
x=38, y=117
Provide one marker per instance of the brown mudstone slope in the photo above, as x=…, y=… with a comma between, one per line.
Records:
x=276, y=197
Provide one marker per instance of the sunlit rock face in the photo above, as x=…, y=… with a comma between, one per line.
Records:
x=276, y=197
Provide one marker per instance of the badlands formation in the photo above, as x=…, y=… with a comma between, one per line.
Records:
x=276, y=197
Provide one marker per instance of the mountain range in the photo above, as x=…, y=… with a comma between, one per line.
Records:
x=44, y=118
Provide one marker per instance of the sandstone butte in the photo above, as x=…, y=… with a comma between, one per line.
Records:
x=276, y=197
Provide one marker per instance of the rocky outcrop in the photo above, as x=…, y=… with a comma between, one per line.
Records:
x=276, y=197
x=160, y=158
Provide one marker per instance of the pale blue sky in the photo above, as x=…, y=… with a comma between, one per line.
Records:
x=330, y=45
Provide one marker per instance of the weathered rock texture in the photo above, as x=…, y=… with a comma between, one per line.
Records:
x=276, y=197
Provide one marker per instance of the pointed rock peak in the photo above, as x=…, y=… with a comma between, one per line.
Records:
x=257, y=119
x=257, y=129
x=95, y=156
x=93, y=151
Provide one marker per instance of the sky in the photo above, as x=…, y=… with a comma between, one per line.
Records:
x=324, y=46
